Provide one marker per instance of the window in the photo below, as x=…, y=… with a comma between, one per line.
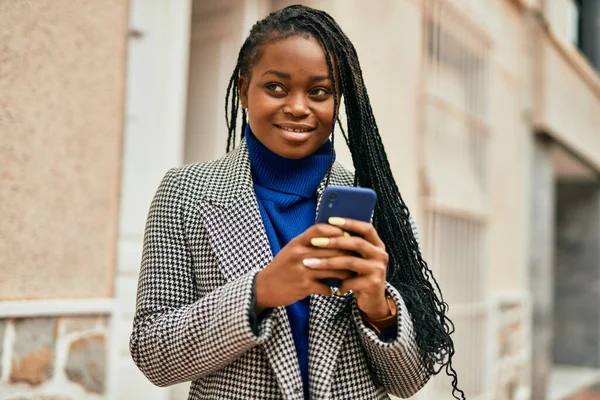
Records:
x=583, y=28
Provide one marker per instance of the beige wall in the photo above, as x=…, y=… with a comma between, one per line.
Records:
x=555, y=12
x=509, y=152
x=62, y=72
x=388, y=41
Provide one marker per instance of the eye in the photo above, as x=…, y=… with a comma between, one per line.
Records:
x=320, y=92
x=275, y=87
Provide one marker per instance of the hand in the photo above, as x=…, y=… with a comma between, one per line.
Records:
x=286, y=279
x=369, y=266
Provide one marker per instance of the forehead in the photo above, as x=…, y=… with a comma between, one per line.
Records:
x=294, y=55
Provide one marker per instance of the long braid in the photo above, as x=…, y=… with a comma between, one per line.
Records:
x=407, y=271
x=231, y=108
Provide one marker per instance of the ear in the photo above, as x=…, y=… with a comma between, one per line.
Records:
x=243, y=87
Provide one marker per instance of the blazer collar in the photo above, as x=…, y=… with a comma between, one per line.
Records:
x=232, y=179
x=234, y=176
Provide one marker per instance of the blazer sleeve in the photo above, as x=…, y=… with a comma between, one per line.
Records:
x=397, y=364
x=178, y=336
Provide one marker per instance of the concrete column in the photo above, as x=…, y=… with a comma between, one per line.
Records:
x=154, y=133
x=541, y=265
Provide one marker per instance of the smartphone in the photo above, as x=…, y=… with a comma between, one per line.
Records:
x=346, y=202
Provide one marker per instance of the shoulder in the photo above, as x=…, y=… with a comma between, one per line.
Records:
x=197, y=180
x=200, y=174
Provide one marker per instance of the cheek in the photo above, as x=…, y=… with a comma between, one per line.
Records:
x=324, y=112
x=259, y=103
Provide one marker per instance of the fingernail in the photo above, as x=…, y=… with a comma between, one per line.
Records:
x=311, y=262
x=319, y=242
x=346, y=234
x=337, y=221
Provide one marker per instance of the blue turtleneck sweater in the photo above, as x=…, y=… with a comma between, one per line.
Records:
x=286, y=194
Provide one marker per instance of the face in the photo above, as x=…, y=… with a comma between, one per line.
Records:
x=289, y=97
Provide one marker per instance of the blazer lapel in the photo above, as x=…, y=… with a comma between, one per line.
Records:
x=241, y=245
x=281, y=353
x=325, y=338
x=326, y=332
x=232, y=217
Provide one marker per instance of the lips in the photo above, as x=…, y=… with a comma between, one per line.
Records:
x=295, y=133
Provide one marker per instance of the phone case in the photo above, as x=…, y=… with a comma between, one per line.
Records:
x=346, y=202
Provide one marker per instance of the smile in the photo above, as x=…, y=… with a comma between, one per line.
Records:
x=295, y=133
x=295, y=130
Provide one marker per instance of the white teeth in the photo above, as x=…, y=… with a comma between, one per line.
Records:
x=293, y=130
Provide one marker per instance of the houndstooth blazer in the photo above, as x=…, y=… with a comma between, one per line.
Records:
x=203, y=245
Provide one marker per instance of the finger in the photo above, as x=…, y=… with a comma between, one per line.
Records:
x=301, y=253
x=336, y=274
x=364, y=229
x=321, y=288
x=315, y=252
x=319, y=230
x=354, y=284
x=354, y=243
x=361, y=283
x=360, y=266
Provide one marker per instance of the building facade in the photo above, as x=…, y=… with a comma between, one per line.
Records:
x=489, y=111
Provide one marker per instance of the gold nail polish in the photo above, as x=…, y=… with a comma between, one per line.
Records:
x=346, y=234
x=337, y=221
x=319, y=241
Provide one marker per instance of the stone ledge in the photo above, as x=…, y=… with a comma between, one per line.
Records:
x=33, y=350
x=52, y=358
x=86, y=363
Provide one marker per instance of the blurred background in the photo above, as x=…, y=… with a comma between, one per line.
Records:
x=490, y=113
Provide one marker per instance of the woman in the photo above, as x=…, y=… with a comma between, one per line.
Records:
x=230, y=292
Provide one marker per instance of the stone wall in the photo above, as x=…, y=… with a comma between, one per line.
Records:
x=53, y=358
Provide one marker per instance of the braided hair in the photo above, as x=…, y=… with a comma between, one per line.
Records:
x=407, y=271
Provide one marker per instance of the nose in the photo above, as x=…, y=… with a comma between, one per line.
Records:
x=296, y=106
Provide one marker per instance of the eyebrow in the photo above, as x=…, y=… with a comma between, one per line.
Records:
x=285, y=75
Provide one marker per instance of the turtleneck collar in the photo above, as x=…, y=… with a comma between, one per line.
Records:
x=299, y=177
